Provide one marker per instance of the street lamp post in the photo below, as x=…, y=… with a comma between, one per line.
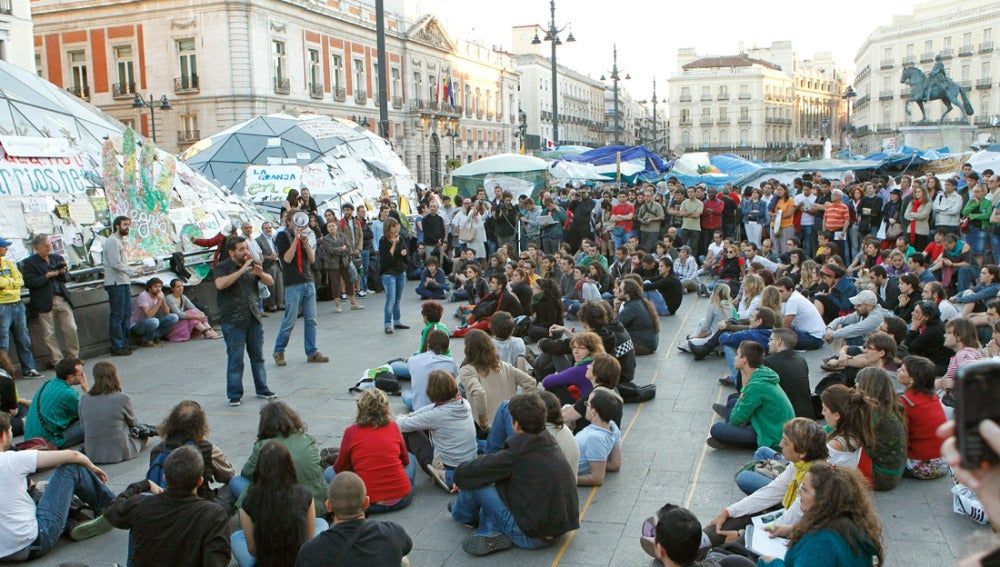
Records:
x=848, y=95
x=655, y=101
x=615, y=77
x=552, y=35
x=139, y=102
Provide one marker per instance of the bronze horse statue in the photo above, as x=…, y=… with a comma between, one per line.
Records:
x=949, y=93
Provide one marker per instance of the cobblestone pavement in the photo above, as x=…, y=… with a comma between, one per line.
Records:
x=665, y=457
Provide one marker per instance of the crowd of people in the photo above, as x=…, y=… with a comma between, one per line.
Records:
x=534, y=408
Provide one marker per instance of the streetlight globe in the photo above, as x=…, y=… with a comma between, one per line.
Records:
x=535, y=40
x=137, y=101
x=570, y=38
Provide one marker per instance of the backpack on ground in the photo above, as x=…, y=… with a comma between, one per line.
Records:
x=155, y=472
x=633, y=394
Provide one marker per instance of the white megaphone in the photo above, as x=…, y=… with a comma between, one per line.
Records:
x=300, y=219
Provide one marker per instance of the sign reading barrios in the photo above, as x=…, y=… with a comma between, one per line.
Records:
x=266, y=183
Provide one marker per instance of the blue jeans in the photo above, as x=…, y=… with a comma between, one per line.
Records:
x=73, y=435
x=393, y=285
x=241, y=554
x=807, y=239
x=967, y=275
x=658, y=302
x=730, y=354
x=154, y=327
x=120, y=309
x=502, y=429
x=620, y=240
x=805, y=341
x=749, y=481
x=735, y=435
x=648, y=238
x=376, y=508
x=13, y=314
x=304, y=296
x=251, y=339
x=485, y=505
x=53, y=509
x=995, y=244
x=363, y=276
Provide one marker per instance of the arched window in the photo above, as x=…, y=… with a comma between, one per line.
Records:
x=723, y=137
x=686, y=138
x=744, y=137
x=706, y=138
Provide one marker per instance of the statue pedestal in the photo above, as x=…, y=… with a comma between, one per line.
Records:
x=956, y=137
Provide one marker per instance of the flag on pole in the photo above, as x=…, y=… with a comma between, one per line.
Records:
x=437, y=92
x=450, y=91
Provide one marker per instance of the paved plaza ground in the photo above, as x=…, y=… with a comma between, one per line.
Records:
x=665, y=456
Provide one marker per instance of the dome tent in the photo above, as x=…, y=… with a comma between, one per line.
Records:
x=520, y=173
x=67, y=169
x=264, y=157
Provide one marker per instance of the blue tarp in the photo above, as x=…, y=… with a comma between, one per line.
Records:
x=609, y=154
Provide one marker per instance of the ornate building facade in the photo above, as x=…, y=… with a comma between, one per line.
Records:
x=15, y=33
x=221, y=63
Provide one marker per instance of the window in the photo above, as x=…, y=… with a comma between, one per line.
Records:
x=416, y=85
x=706, y=93
x=188, y=63
x=928, y=46
x=38, y=65
x=189, y=129
x=947, y=43
x=909, y=50
x=126, y=75
x=723, y=92
x=278, y=59
x=724, y=115
x=987, y=35
x=337, y=62
x=744, y=138
x=468, y=98
x=744, y=113
x=985, y=70
x=432, y=88
x=723, y=137
x=966, y=72
x=887, y=53
x=686, y=138
x=314, y=70
x=395, y=87
x=685, y=115
x=358, y=66
x=376, y=78
x=967, y=39
x=78, y=73
x=130, y=122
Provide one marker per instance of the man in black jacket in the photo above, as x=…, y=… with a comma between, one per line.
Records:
x=792, y=369
x=45, y=277
x=579, y=228
x=524, y=495
x=506, y=216
x=173, y=526
x=434, y=230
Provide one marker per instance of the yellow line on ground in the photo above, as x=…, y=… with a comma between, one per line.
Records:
x=701, y=459
x=638, y=410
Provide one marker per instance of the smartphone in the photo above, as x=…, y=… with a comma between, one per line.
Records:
x=977, y=388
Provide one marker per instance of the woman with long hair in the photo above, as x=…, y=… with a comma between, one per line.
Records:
x=809, y=282
x=373, y=448
x=839, y=525
x=916, y=212
x=786, y=205
x=867, y=259
x=107, y=417
x=191, y=320
x=910, y=292
x=849, y=415
x=290, y=204
x=546, y=308
x=600, y=277
x=335, y=252
x=281, y=424
x=487, y=380
x=924, y=415
x=753, y=285
x=639, y=318
x=278, y=513
x=884, y=461
x=572, y=384
x=796, y=256
x=720, y=310
x=392, y=269
x=926, y=336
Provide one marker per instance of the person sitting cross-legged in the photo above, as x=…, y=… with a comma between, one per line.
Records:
x=31, y=530
x=54, y=411
x=600, y=442
x=761, y=323
x=151, y=317
x=433, y=282
x=524, y=495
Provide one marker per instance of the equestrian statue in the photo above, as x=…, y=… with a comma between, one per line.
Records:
x=934, y=86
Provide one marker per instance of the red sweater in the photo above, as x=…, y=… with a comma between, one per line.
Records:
x=377, y=456
x=924, y=415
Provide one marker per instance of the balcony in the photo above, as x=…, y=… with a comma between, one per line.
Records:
x=685, y=98
x=965, y=83
x=360, y=97
x=981, y=121
x=927, y=57
x=986, y=46
x=282, y=85
x=705, y=121
x=723, y=121
x=457, y=110
x=80, y=92
x=966, y=50
x=377, y=99
x=490, y=115
x=885, y=127
x=186, y=85
x=686, y=121
x=316, y=90
x=723, y=96
x=744, y=96
x=909, y=60
x=122, y=90
x=480, y=113
x=188, y=136
x=984, y=83
x=887, y=64
x=706, y=98
x=339, y=94
x=745, y=120
x=397, y=102
x=6, y=7
x=947, y=53
x=885, y=95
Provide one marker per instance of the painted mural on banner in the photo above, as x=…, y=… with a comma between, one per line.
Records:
x=139, y=186
x=43, y=175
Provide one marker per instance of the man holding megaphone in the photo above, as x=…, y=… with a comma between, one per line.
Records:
x=297, y=257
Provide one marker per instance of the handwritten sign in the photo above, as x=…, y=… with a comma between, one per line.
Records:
x=33, y=176
x=264, y=183
x=82, y=211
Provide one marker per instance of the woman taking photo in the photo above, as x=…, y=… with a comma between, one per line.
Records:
x=546, y=309
x=191, y=320
x=924, y=415
x=335, y=258
x=487, y=380
x=278, y=514
x=107, y=417
x=839, y=526
x=639, y=318
x=373, y=448
x=392, y=268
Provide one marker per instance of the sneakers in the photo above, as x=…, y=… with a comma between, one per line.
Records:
x=318, y=357
x=714, y=443
x=720, y=410
x=388, y=330
x=699, y=351
x=357, y=307
x=401, y=326
x=361, y=294
x=31, y=373
x=279, y=359
x=343, y=297
x=121, y=352
x=725, y=381
x=703, y=290
x=234, y=402
x=268, y=395
x=484, y=545
x=647, y=541
x=90, y=528
x=339, y=309
x=437, y=475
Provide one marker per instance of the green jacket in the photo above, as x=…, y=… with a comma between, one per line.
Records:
x=764, y=405
x=978, y=212
x=305, y=455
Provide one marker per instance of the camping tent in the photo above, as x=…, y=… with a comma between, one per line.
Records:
x=67, y=169
x=523, y=174
x=264, y=157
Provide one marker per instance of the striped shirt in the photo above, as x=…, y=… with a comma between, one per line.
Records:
x=835, y=216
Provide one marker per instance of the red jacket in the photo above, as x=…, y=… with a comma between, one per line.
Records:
x=217, y=241
x=378, y=456
x=924, y=415
x=711, y=214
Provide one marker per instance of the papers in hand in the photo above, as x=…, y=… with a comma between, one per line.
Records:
x=546, y=220
x=760, y=541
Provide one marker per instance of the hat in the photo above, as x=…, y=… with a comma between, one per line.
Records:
x=5, y=243
x=866, y=297
x=832, y=271
x=686, y=248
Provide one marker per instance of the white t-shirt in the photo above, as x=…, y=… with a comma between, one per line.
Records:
x=948, y=311
x=510, y=349
x=18, y=526
x=715, y=250
x=799, y=200
x=807, y=318
x=596, y=444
